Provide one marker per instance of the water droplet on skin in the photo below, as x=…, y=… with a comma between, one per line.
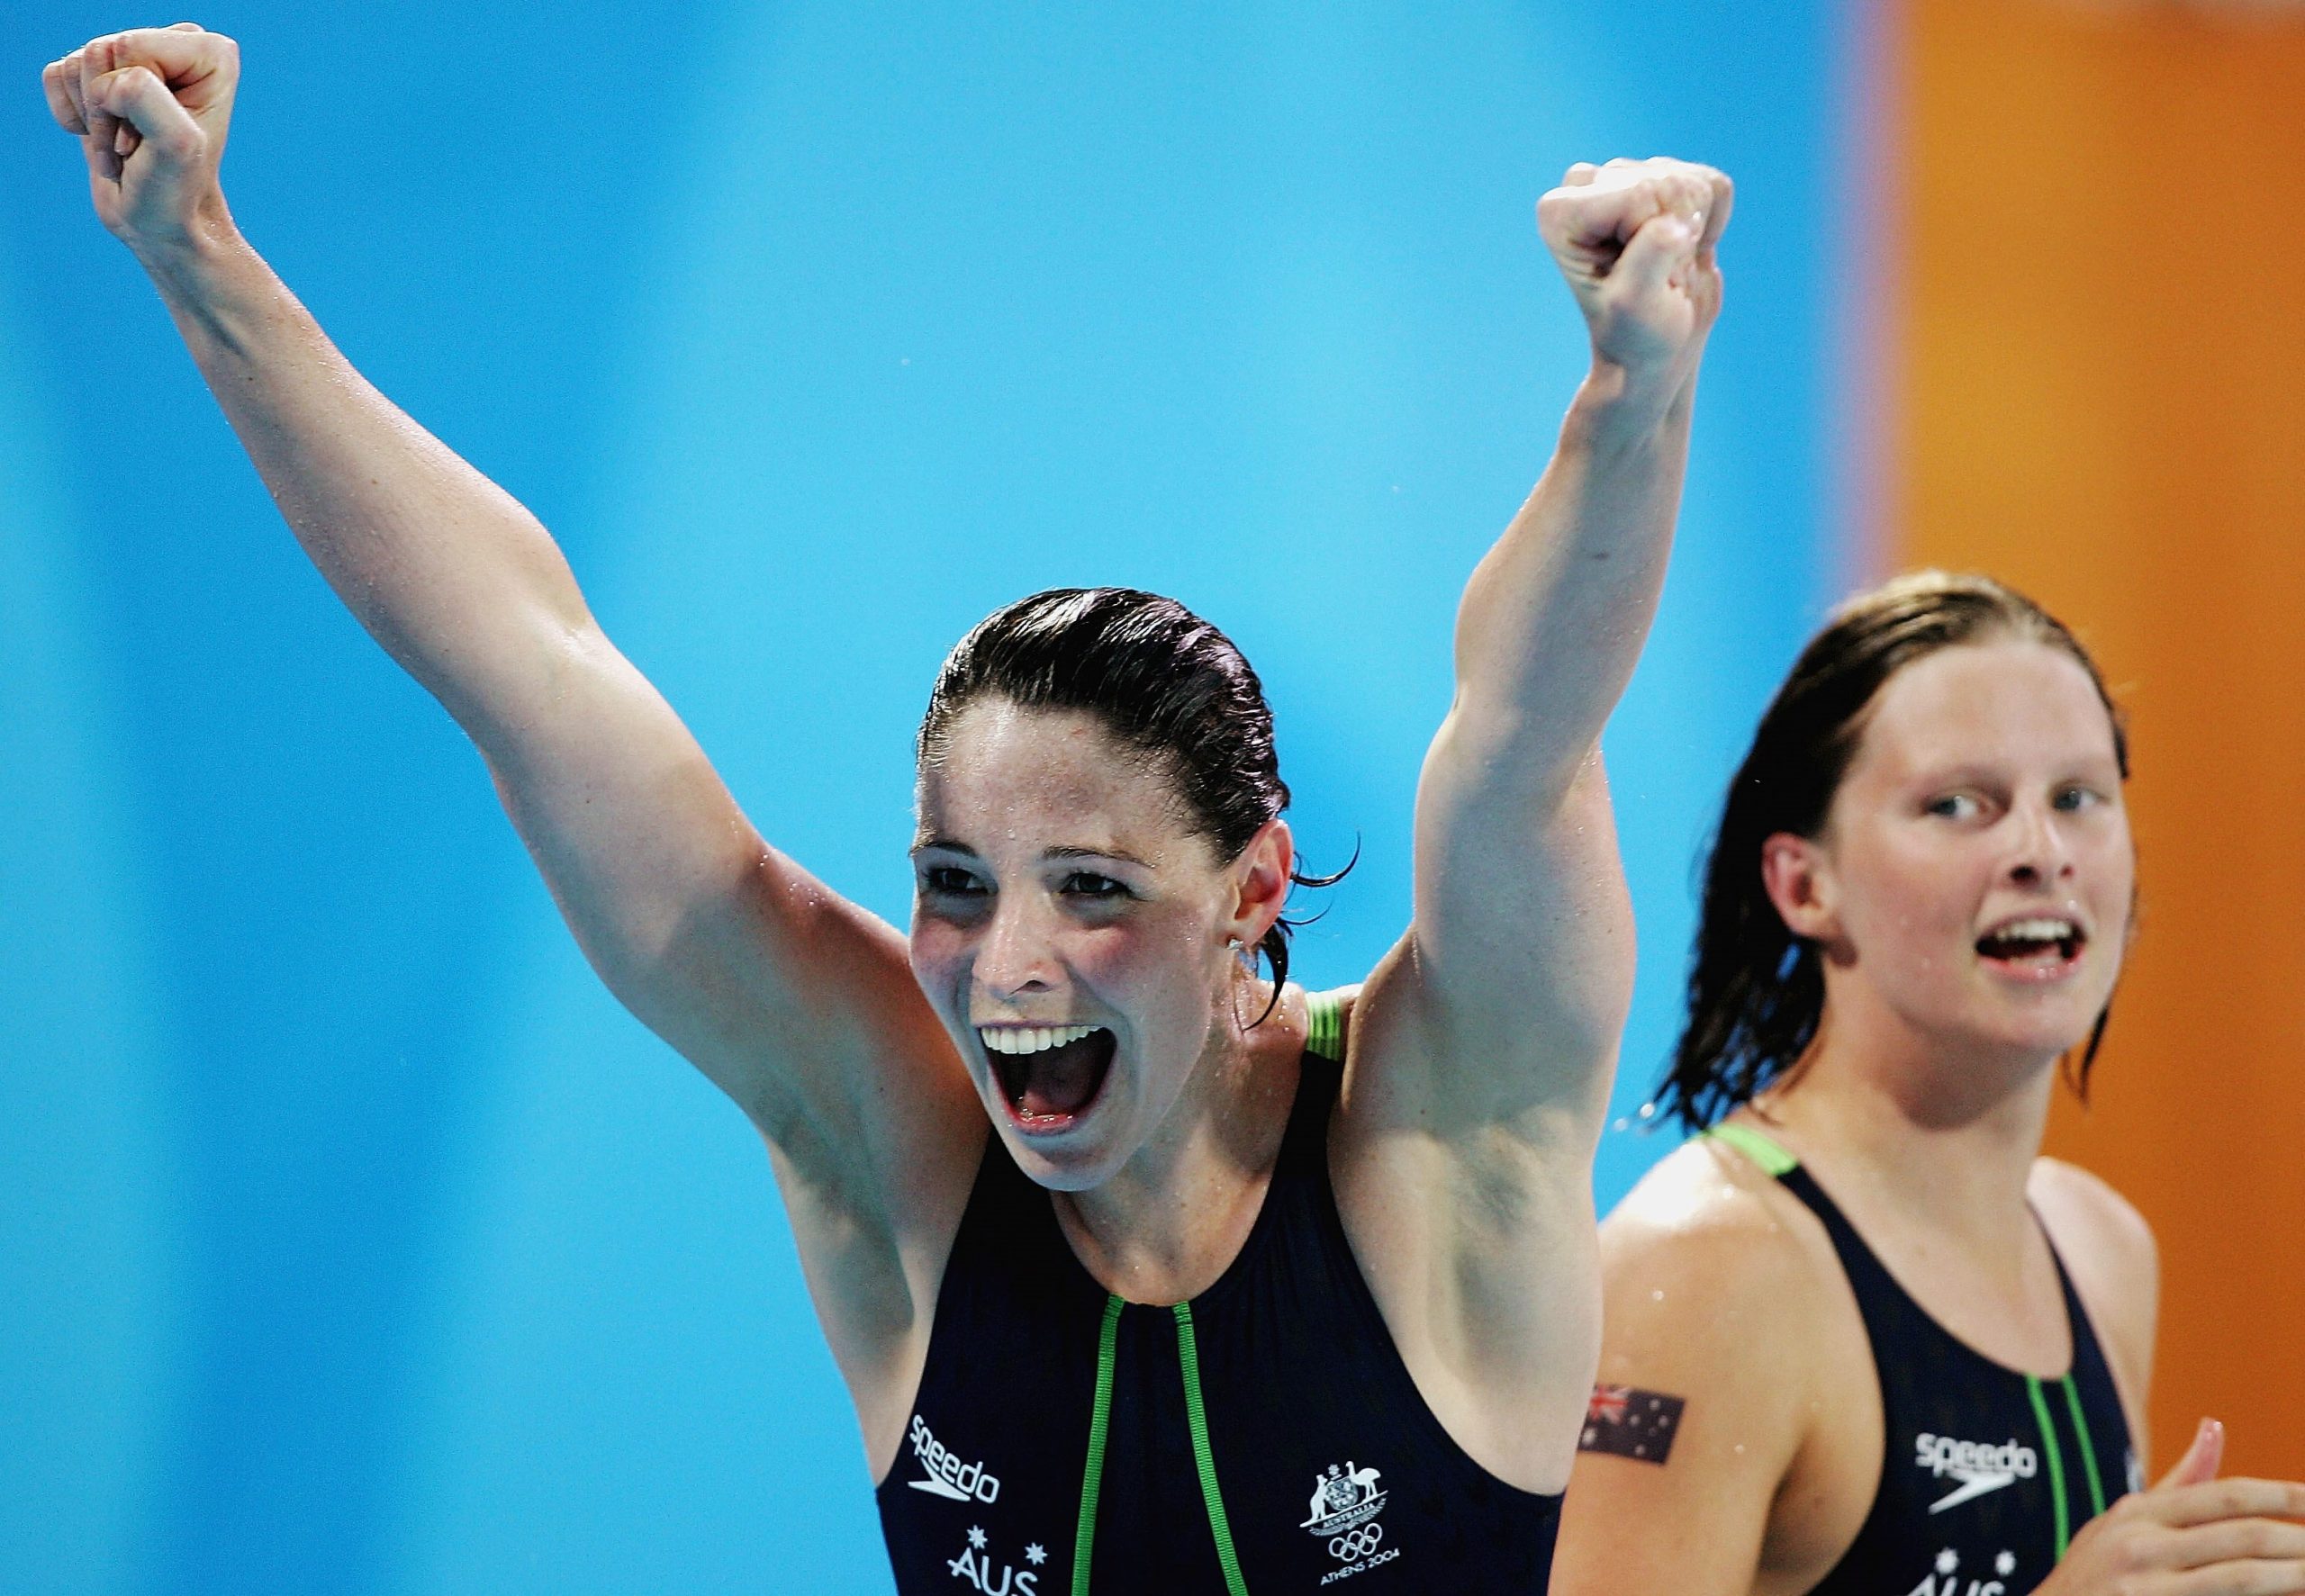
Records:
x=1658, y=1295
x=1740, y=1448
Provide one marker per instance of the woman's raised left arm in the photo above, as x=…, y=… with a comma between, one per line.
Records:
x=1511, y=988
x=1481, y=1048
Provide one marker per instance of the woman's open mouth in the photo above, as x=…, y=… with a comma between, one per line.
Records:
x=2040, y=947
x=1048, y=1075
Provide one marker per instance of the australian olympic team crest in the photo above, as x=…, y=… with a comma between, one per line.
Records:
x=1346, y=1502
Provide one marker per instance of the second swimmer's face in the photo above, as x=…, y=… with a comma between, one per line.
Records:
x=1975, y=879
x=1073, y=932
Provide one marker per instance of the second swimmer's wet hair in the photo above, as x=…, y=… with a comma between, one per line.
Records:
x=1162, y=680
x=1755, y=991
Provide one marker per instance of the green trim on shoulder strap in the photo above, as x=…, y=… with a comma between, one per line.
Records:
x=1325, y=1025
x=1771, y=1160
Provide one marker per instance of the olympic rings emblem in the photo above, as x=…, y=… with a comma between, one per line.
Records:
x=1357, y=1545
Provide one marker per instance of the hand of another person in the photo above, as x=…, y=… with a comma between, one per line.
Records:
x=150, y=106
x=2191, y=1535
x=1636, y=241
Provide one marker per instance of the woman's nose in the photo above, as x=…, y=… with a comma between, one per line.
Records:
x=2043, y=855
x=1018, y=955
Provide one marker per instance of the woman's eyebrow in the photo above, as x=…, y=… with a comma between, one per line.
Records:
x=1959, y=772
x=1122, y=855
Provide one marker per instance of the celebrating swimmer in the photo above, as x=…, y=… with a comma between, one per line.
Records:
x=1860, y=1336
x=1118, y=1242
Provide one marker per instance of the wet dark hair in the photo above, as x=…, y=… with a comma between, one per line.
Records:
x=1757, y=991
x=1163, y=681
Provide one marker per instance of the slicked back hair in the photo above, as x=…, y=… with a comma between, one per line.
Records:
x=1162, y=681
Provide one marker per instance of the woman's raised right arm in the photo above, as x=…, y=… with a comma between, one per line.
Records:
x=797, y=1003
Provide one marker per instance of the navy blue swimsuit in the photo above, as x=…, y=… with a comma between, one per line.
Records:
x=1988, y=1473
x=1262, y=1438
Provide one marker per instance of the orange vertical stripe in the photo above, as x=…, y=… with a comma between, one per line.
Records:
x=2099, y=395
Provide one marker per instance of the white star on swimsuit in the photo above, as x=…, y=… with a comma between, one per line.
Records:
x=1947, y=1560
x=1035, y=1554
x=976, y=1538
x=2005, y=1565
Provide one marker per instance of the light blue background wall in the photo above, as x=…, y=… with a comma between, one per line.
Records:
x=351, y=1239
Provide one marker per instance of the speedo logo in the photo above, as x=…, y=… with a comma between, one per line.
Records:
x=947, y=1474
x=1981, y=1466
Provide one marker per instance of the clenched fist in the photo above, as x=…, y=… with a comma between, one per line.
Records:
x=1636, y=240
x=151, y=106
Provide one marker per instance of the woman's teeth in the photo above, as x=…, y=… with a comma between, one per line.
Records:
x=2022, y=939
x=1031, y=1039
x=1049, y=1074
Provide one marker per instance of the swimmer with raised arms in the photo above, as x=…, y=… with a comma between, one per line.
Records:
x=1118, y=1243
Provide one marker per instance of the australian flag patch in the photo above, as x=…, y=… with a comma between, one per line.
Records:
x=1626, y=1421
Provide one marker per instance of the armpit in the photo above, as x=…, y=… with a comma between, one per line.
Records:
x=1625, y=1422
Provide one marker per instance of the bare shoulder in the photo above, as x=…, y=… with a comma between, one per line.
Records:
x=1707, y=1187
x=2108, y=1249
x=1709, y=1268
x=2074, y=1202
x=1721, y=1342
x=1720, y=1282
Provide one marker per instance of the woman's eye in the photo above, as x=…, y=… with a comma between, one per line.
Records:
x=1089, y=884
x=947, y=881
x=2079, y=798
x=1954, y=805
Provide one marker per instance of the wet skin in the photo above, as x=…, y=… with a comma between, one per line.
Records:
x=1483, y=1042
x=1058, y=883
x=1984, y=791
x=1984, y=794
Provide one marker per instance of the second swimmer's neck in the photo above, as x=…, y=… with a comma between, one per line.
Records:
x=1905, y=1129
x=1173, y=1219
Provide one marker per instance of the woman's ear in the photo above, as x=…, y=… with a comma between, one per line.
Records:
x=1798, y=878
x=1260, y=882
